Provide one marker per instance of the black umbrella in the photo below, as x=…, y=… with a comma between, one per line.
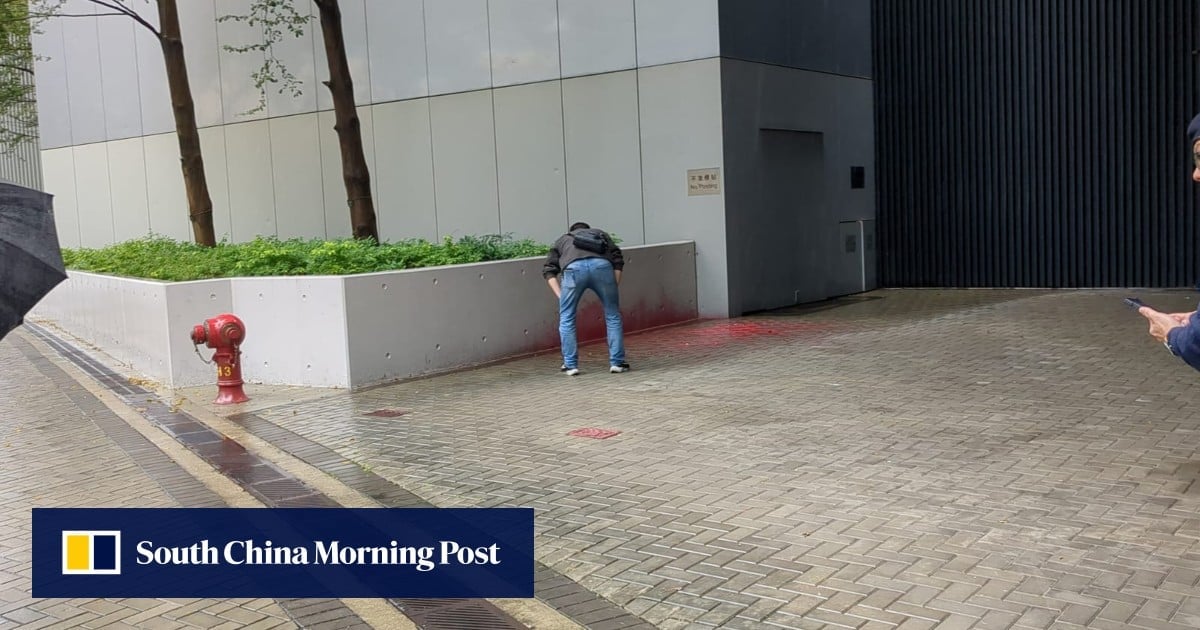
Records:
x=30, y=259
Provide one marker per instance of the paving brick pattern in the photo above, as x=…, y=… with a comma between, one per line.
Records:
x=905, y=459
x=61, y=447
x=565, y=596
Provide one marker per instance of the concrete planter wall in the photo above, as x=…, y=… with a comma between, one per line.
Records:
x=351, y=331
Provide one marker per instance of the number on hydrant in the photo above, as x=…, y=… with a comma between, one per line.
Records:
x=224, y=334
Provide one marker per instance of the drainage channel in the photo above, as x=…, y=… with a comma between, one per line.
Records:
x=274, y=488
x=555, y=589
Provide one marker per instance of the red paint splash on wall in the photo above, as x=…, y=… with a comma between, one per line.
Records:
x=639, y=316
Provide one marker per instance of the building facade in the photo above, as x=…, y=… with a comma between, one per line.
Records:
x=746, y=126
x=1037, y=144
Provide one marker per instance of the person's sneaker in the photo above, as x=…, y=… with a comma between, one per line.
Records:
x=617, y=369
x=570, y=371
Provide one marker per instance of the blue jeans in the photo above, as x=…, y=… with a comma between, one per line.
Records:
x=595, y=274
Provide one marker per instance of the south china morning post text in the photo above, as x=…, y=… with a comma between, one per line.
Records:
x=283, y=552
x=251, y=552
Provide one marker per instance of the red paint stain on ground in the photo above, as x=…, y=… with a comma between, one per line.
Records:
x=590, y=432
x=679, y=333
x=720, y=337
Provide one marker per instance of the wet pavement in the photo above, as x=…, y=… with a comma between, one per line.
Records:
x=901, y=459
x=61, y=447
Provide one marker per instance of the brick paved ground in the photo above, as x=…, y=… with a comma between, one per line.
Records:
x=908, y=459
x=59, y=448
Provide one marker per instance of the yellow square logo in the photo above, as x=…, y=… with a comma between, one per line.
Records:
x=91, y=553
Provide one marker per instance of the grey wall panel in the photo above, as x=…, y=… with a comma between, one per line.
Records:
x=54, y=114
x=817, y=35
x=840, y=107
x=127, y=180
x=524, y=41
x=596, y=36
x=603, y=151
x=58, y=171
x=456, y=41
x=676, y=30
x=870, y=263
x=792, y=256
x=337, y=215
x=529, y=155
x=1037, y=144
x=396, y=34
x=314, y=307
x=198, y=23
x=766, y=110
x=296, y=169
x=680, y=107
x=404, y=152
x=464, y=164
x=95, y=195
x=216, y=173
x=251, y=195
x=119, y=74
x=848, y=251
x=84, y=89
x=164, y=187
x=152, y=76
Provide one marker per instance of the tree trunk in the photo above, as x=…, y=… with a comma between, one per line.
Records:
x=182, y=106
x=355, y=173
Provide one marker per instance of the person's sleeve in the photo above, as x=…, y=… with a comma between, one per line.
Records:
x=614, y=255
x=550, y=269
x=1184, y=341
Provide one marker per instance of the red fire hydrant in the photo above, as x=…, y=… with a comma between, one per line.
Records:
x=224, y=333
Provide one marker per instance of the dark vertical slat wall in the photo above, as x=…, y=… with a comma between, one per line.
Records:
x=1036, y=143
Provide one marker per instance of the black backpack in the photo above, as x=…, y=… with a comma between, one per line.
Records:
x=591, y=240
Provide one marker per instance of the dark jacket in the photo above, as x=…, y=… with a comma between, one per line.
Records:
x=564, y=252
x=1184, y=341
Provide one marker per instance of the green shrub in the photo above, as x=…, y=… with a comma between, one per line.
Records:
x=161, y=258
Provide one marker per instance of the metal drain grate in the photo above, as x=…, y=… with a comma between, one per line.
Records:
x=809, y=308
x=387, y=413
x=282, y=489
x=422, y=606
x=456, y=614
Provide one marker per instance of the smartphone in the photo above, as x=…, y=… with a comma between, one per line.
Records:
x=1135, y=303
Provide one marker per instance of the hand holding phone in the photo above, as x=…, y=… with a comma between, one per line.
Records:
x=1136, y=304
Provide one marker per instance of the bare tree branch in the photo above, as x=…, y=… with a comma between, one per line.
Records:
x=8, y=66
x=71, y=15
x=128, y=12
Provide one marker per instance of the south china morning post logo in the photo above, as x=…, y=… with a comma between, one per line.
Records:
x=91, y=552
x=99, y=553
x=283, y=552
